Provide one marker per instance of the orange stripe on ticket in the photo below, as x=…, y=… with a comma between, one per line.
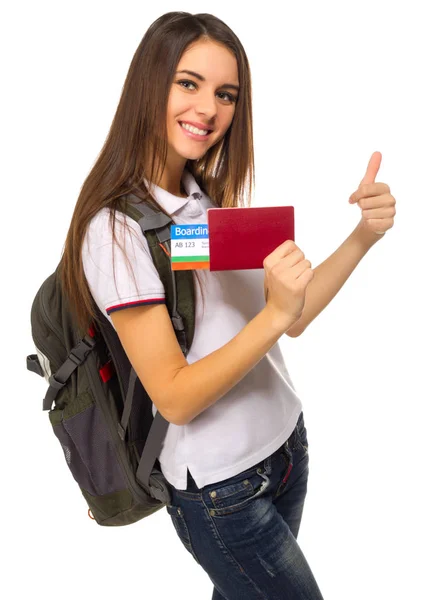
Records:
x=184, y=266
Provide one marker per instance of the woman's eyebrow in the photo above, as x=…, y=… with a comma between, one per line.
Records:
x=227, y=85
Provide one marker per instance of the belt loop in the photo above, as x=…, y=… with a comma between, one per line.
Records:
x=268, y=465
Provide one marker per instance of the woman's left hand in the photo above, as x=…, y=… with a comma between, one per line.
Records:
x=375, y=200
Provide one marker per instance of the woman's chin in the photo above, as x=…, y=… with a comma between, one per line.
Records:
x=190, y=154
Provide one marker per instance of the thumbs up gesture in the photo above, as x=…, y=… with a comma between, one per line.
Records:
x=375, y=200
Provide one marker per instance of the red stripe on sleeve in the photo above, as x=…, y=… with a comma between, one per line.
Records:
x=111, y=309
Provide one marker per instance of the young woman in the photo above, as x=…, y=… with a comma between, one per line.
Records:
x=236, y=450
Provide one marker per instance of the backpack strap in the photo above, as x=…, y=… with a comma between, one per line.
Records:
x=156, y=228
x=180, y=299
x=178, y=285
x=128, y=403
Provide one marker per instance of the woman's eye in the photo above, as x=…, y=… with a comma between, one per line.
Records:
x=189, y=82
x=231, y=98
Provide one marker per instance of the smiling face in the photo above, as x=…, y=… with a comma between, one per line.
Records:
x=210, y=101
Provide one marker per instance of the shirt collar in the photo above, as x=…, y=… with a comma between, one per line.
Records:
x=172, y=203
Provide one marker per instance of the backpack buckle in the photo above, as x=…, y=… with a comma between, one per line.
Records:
x=159, y=490
x=79, y=353
x=177, y=322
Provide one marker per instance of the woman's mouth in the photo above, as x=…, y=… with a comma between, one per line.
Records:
x=193, y=132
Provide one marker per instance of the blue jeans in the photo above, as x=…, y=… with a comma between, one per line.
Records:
x=242, y=531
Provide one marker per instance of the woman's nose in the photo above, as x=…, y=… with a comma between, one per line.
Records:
x=206, y=105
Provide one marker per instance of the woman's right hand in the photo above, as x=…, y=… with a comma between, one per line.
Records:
x=286, y=276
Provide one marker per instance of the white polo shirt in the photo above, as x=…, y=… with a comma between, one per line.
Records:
x=259, y=413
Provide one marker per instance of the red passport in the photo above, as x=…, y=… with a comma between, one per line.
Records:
x=241, y=238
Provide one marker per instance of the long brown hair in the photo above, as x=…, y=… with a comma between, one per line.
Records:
x=135, y=150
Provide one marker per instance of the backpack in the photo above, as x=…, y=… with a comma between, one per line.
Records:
x=102, y=415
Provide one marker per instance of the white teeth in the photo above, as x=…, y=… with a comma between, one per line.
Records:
x=194, y=129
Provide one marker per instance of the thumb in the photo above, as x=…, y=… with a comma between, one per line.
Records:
x=372, y=168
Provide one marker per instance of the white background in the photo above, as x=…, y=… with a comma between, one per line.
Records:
x=332, y=83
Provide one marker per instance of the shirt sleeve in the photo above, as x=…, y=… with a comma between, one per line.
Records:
x=115, y=284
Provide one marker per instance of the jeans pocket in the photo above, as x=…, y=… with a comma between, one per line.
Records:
x=238, y=492
x=179, y=522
